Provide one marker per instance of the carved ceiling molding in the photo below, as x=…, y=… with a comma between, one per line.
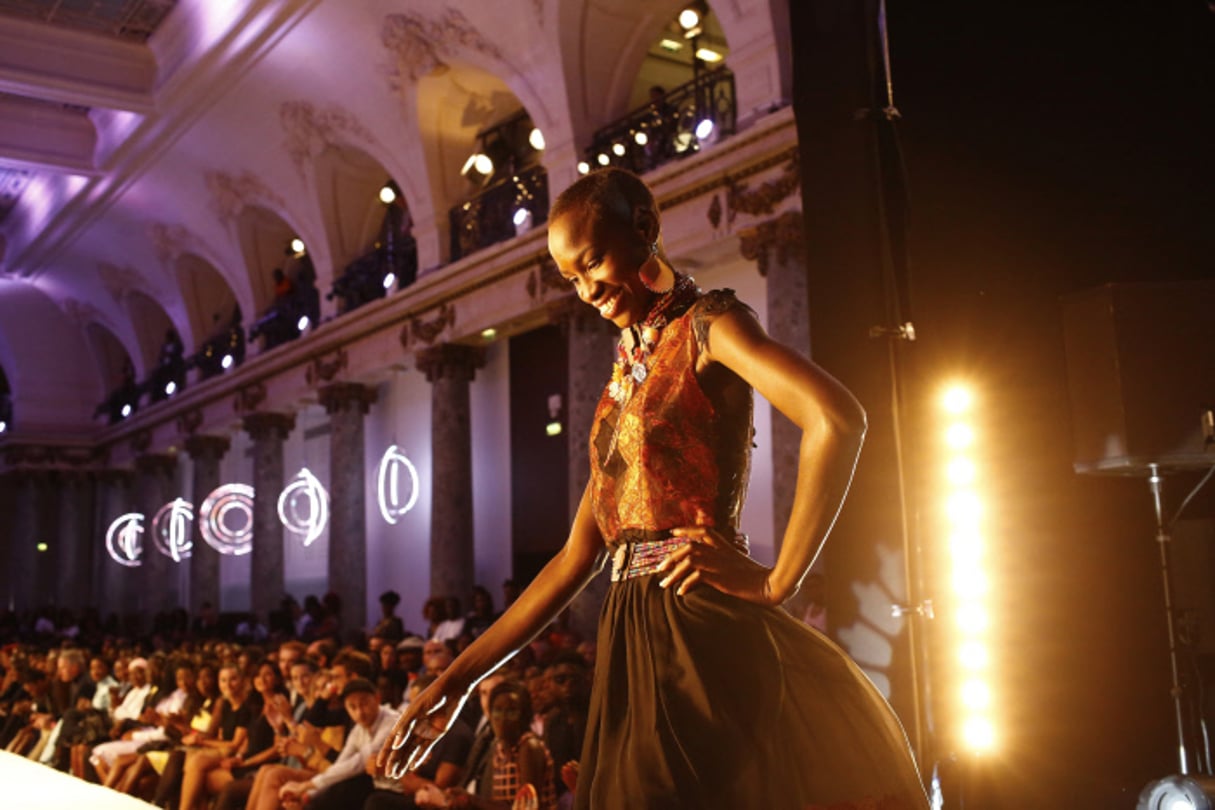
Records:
x=421, y=44
x=42, y=456
x=171, y=241
x=248, y=399
x=120, y=281
x=543, y=279
x=310, y=131
x=82, y=313
x=418, y=330
x=324, y=370
x=742, y=200
x=781, y=236
x=230, y=194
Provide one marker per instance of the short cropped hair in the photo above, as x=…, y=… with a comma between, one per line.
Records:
x=609, y=193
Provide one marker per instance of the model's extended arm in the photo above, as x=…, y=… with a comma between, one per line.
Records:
x=833, y=427
x=557, y=583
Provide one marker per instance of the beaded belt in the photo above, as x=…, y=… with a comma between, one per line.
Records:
x=643, y=557
x=638, y=559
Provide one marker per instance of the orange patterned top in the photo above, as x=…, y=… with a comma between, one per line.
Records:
x=682, y=455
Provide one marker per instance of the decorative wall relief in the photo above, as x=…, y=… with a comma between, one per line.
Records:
x=309, y=131
x=231, y=193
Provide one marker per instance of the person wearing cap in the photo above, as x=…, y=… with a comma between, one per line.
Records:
x=346, y=783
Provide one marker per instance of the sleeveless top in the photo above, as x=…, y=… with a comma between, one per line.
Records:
x=506, y=774
x=684, y=443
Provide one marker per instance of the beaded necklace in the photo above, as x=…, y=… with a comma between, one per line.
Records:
x=632, y=364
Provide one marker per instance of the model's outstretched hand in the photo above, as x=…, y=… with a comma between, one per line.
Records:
x=424, y=721
x=713, y=559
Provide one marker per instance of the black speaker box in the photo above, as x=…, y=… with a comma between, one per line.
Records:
x=1141, y=372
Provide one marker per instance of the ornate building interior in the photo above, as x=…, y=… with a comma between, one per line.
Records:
x=299, y=247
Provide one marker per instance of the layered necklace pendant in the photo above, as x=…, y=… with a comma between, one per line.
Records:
x=633, y=362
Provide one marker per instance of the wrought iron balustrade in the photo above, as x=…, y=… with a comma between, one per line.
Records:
x=680, y=124
x=497, y=213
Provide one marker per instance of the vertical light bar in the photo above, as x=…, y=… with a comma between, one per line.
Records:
x=965, y=511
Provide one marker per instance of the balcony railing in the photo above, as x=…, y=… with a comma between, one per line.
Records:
x=500, y=212
x=375, y=274
x=680, y=124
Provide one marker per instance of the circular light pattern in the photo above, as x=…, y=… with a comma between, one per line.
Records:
x=226, y=519
x=387, y=195
x=124, y=540
x=303, y=507
x=171, y=529
x=388, y=485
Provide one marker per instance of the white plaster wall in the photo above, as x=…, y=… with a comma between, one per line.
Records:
x=306, y=568
x=398, y=555
x=490, y=406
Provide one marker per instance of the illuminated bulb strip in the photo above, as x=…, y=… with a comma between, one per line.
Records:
x=388, y=484
x=964, y=512
x=214, y=523
x=171, y=529
x=310, y=521
x=124, y=540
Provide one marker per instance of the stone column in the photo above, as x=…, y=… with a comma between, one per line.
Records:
x=115, y=582
x=268, y=431
x=205, y=453
x=347, y=404
x=777, y=248
x=76, y=550
x=155, y=591
x=591, y=345
x=450, y=368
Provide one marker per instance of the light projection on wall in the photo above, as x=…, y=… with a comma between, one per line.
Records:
x=226, y=519
x=396, y=497
x=171, y=529
x=124, y=540
x=303, y=506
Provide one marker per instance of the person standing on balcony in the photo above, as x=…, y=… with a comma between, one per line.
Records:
x=706, y=694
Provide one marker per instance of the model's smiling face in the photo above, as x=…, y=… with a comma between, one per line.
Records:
x=601, y=258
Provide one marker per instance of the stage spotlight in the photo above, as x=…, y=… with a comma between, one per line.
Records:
x=297, y=246
x=690, y=21
x=388, y=195
x=603, y=159
x=641, y=138
x=584, y=167
x=3, y=426
x=708, y=55
x=227, y=361
x=704, y=129
x=618, y=149
x=1179, y=793
x=536, y=139
x=302, y=323
x=126, y=410
x=483, y=165
x=170, y=388
x=522, y=220
x=389, y=280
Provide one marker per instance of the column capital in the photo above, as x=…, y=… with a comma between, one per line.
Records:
x=450, y=361
x=268, y=425
x=212, y=448
x=344, y=395
x=783, y=234
x=114, y=476
x=156, y=463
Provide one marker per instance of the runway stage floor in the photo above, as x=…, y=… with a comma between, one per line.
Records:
x=26, y=785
